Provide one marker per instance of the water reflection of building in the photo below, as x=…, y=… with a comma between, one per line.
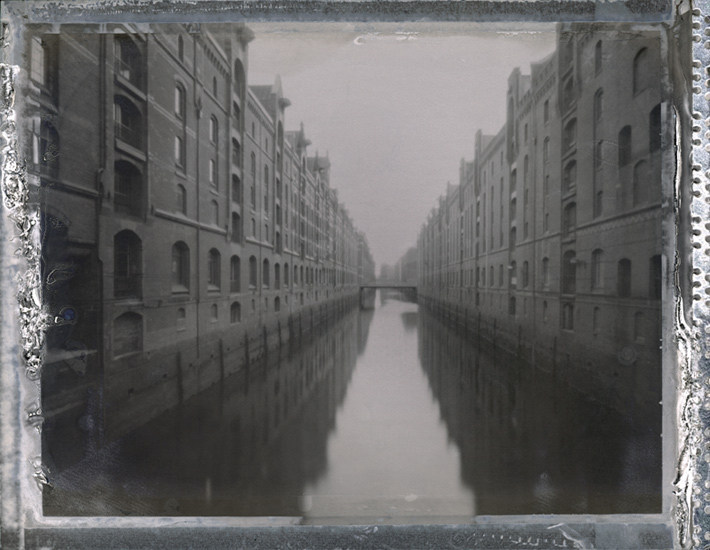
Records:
x=248, y=446
x=529, y=445
x=183, y=225
x=551, y=243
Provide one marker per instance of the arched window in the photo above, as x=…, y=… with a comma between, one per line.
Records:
x=526, y=274
x=235, y=313
x=265, y=274
x=598, y=57
x=654, y=129
x=128, y=188
x=214, y=270
x=569, y=272
x=236, y=228
x=569, y=135
x=277, y=304
x=526, y=169
x=295, y=274
x=655, y=284
x=568, y=93
x=214, y=86
x=598, y=154
x=569, y=175
x=569, y=218
x=253, y=276
x=500, y=275
x=639, y=328
x=277, y=276
x=625, y=146
x=598, y=203
x=640, y=183
x=214, y=130
x=642, y=72
x=214, y=313
x=623, y=278
x=181, y=48
x=513, y=181
x=180, y=267
x=546, y=150
x=598, y=106
x=127, y=334
x=567, y=316
x=180, y=101
x=180, y=151
x=181, y=199
x=239, y=79
x=128, y=121
x=129, y=61
x=286, y=272
x=597, y=269
x=513, y=209
x=235, y=274
x=127, y=265
x=236, y=189
x=513, y=240
x=46, y=150
x=546, y=111
x=236, y=153
x=513, y=275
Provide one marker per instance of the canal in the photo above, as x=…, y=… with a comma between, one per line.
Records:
x=385, y=416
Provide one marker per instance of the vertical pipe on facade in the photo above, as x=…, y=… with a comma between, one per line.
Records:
x=103, y=113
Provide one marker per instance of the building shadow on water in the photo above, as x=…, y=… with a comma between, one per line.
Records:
x=245, y=447
x=529, y=443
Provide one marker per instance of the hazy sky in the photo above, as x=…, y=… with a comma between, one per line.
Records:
x=396, y=112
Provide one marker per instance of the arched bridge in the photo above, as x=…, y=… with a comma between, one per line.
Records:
x=367, y=298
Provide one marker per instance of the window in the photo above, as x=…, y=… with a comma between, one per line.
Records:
x=598, y=154
x=598, y=106
x=569, y=218
x=179, y=151
x=265, y=274
x=48, y=150
x=598, y=203
x=253, y=277
x=128, y=188
x=625, y=146
x=127, y=265
x=655, y=284
x=639, y=328
x=236, y=228
x=597, y=269
x=180, y=267
x=544, y=312
x=525, y=134
x=39, y=61
x=598, y=57
x=569, y=272
x=277, y=276
x=500, y=275
x=180, y=102
x=654, y=129
x=513, y=182
x=513, y=275
x=546, y=222
x=570, y=134
x=129, y=61
x=236, y=189
x=128, y=122
x=568, y=93
x=546, y=111
x=641, y=178
x=526, y=171
x=181, y=49
x=214, y=86
x=127, y=334
x=526, y=274
x=214, y=207
x=214, y=269
x=180, y=319
x=214, y=130
x=567, y=317
x=235, y=313
x=236, y=116
x=569, y=175
x=491, y=278
x=235, y=274
x=214, y=313
x=295, y=275
x=623, y=278
x=513, y=209
x=239, y=78
x=213, y=173
x=642, y=73
x=277, y=304
x=180, y=199
x=236, y=153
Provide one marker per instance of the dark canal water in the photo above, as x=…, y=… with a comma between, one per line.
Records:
x=385, y=416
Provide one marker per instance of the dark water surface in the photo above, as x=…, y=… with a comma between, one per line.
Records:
x=385, y=416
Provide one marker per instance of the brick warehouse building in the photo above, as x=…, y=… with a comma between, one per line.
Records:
x=185, y=230
x=551, y=244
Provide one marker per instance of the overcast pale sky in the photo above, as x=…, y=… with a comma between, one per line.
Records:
x=395, y=111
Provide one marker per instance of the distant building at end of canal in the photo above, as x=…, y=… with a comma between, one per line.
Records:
x=551, y=243
x=182, y=224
